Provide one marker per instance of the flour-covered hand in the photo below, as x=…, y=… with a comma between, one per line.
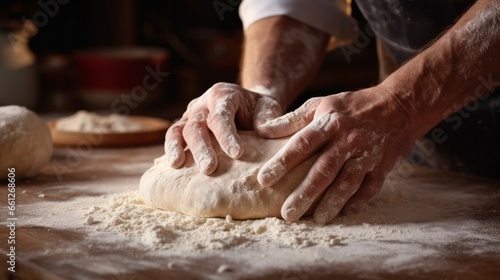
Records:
x=220, y=110
x=358, y=136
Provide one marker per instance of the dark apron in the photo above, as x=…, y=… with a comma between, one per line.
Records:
x=403, y=27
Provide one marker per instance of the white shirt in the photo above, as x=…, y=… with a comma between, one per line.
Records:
x=330, y=16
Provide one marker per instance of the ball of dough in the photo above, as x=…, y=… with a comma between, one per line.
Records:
x=25, y=141
x=232, y=189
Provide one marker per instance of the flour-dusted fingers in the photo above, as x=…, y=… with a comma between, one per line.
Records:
x=300, y=147
x=321, y=175
x=224, y=101
x=370, y=187
x=345, y=185
x=198, y=140
x=175, y=144
x=290, y=123
x=266, y=110
x=219, y=112
x=323, y=172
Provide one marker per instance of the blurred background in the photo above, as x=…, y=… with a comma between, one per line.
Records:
x=137, y=57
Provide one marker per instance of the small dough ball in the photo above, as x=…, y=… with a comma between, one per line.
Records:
x=25, y=141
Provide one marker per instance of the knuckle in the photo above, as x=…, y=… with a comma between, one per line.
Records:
x=356, y=167
x=192, y=128
x=192, y=103
x=220, y=89
x=222, y=108
x=308, y=195
x=268, y=106
x=346, y=189
x=173, y=132
x=199, y=117
x=218, y=121
x=172, y=148
x=355, y=137
x=224, y=104
x=325, y=169
x=328, y=123
x=175, y=129
x=303, y=145
x=338, y=121
x=188, y=131
x=312, y=102
x=221, y=85
x=212, y=121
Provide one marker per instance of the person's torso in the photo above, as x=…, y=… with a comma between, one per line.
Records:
x=405, y=26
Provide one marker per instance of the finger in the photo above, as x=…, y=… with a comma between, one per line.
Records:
x=369, y=188
x=266, y=109
x=221, y=121
x=300, y=147
x=320, y=176
x=198, y=140
x=174, y=141
x=175, y=144
x=340, y=191
x=292, y=122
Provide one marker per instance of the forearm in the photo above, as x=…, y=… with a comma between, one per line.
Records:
x=461, y=66
x=280, y=57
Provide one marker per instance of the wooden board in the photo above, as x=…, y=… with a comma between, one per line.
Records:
x=46, y=252
x=153, y=133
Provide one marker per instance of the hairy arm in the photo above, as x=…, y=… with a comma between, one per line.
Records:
x=361, y=134
x=460, y=67
x=281, y=55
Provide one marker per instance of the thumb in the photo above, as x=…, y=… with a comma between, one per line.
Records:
x=289, y=123
x=266, y=110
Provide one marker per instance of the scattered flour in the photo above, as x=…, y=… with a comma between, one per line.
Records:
x=391, y=217
x=87, y=122
x=411, y=227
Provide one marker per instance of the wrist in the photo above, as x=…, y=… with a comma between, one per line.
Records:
x=407, y=112
x=385, y=105
x=271, y=92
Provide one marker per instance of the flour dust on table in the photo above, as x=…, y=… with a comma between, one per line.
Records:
x=418, y=224
x=401, y=227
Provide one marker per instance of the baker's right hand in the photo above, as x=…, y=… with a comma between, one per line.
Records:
x=219, y=110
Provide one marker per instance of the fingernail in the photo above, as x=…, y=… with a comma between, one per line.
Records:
x=270, y=175
x=321, y=218
x=289, y=214
x=263, y=178
x=234, y=151
x=172, y=159
x=204, y=165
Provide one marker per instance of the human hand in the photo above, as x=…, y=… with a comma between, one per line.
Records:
x=358, y=135
x=219, y=110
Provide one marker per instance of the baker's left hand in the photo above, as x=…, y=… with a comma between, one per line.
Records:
x=358, y=135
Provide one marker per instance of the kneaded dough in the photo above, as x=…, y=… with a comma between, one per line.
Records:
x=25, y=141
x=232, y=189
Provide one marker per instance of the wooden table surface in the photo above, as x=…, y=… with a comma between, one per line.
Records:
x=91, y=173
